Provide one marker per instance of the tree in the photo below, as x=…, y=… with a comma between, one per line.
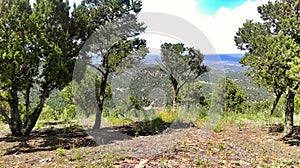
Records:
x=37, y=51
x=182, y=64
x=272, y=52
x=229, y=95
x=144, y=84
x=114, y=42
x=192, y=93
x=82, y=94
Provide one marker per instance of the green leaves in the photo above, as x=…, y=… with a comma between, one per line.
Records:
x=273, y=51
x=37, y=53
x=182, y=63
x=272, y=47
x=229, y=96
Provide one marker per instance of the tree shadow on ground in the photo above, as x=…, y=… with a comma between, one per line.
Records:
x=48, y=139
x=293, y=140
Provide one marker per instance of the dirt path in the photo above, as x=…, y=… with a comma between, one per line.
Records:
x=249, y=146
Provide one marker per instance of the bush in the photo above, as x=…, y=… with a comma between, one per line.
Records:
x=168, y=116
x=66, y=114
x=69, y=113
x=118, y=120
x=76, y=155
x=60, y=152
x=49, y=114
x=219, y=127
x=229, y=96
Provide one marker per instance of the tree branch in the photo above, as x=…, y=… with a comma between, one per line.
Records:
x=296, y=87
x=2, y=112
x=97, y=68
x=278, y=96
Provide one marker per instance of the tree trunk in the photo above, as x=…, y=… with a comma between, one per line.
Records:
x=100, y=100
x=15, y=128
x=37, y=112
x=175, y=92
x=289, y=113
x=27, y=105
x=175, y=100
x=278, y=96
x=15, y=124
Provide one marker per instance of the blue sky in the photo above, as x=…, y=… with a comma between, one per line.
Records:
x=212, y=6
x=219, y=20
x=208, y=6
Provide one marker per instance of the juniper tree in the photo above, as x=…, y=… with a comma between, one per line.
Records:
x=272, y=51
x=182, y=65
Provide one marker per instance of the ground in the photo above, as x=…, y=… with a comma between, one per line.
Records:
x=249, y=145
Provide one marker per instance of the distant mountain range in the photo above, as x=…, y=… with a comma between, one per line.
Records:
x=227, y=62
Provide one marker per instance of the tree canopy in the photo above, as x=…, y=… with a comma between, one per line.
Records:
x=39, y=45
x=182, y=65
x=272, y=51
x=114, y=43
x=229, y=95
x=37, y=51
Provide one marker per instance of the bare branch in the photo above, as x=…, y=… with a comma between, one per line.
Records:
x=278, y=96
x=97, y=68
x=296, y=87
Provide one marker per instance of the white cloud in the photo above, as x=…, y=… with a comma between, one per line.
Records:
x=219, y=29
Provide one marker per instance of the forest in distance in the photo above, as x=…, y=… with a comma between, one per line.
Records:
x=80, y=88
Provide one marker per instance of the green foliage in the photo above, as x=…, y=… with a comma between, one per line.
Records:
x=255, y=108
x=297, y=105
x=203, y=163
x=118, y=120
x=273, y=51
x=115, y=41
x=203, y=112
x=108, y=159
x=168, y=116
x=219, y=127
x=1, y=125
x=253, y=91
x=60, y=152
x=257, y=112
x=39, y=125
x=37, y=54
x=182, y=65
x=49, y=114
x=69, y=113
x=229, y=96
x=178, y=59
x=150, y=85
x=155, y=126
x=76, y=154
x=192, y=94
x=82, y=94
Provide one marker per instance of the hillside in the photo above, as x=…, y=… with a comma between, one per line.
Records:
x=247, y=145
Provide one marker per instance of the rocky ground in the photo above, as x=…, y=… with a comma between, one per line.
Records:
x=233, y=146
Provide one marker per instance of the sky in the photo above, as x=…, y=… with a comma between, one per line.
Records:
x=212, y=6
x=218, y=20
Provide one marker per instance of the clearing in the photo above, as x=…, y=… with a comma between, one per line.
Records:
x=249, y=145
